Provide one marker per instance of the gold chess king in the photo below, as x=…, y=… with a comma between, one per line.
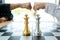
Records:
x=26, y=29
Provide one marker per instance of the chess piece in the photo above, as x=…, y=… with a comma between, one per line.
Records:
x=26, y=29
x=38, y=32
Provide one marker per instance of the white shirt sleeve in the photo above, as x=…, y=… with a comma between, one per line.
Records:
x=57, y=12
x=50, y=8
x=53, y=9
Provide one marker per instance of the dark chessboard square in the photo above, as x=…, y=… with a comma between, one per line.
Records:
x=3, y=30
x=58, y=27
x=14, y=38
x=58, y=37
x=7, y=34
x=38, y=38
x=47, y=34
x=54, y=30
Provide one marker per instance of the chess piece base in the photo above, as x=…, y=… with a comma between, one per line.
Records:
x=26, y=34
x=37, y=33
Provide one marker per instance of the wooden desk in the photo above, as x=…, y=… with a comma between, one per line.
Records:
x=4, y=23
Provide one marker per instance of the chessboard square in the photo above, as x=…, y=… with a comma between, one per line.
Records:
x=4, y=37
x=58, y=37
x=38, y=38
x=16, y=34
x=58, y=27
x=14, y=38
x=1, y=33
x=26, y=38
x=50, y=38
x=7, y=34
x=9, y=31
x=47, y=34
x=56, y=33
x=54, y=30
x=2, y=30
x=59, y=30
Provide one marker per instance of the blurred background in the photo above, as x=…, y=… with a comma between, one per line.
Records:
x=18, y=13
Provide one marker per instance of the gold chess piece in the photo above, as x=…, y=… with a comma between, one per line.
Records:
x=26, y=29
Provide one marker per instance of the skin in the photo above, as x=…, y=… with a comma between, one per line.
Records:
x=13, y=6
x=38, y=5
x=22, y=5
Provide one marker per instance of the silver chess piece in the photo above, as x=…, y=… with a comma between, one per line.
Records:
x=38, y=32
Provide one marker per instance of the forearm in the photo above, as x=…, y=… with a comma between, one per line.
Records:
x=13, y=6
x=21, y=5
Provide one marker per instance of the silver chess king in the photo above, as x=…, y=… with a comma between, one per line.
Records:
x=38, y=32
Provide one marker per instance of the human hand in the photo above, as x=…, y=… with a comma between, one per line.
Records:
x=3, y=19
x=26, y=5
x=38, y=5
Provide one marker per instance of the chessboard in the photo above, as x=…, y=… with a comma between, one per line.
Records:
x=13, y=31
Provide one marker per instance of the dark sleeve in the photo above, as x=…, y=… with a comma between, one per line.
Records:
x=5, y=11
x=5, y=8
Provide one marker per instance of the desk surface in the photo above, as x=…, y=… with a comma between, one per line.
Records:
x=4, y=23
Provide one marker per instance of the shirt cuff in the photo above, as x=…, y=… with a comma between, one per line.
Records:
x=50, y=8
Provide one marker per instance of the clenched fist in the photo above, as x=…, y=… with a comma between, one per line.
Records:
x=26, y=5
x=38, y=5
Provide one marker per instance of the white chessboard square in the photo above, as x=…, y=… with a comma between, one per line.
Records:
x=26, y=38
x=59, y=30
x=4, y=37
x=16, y=34
x=50, y=38
x=56, y=33
x=1, y=33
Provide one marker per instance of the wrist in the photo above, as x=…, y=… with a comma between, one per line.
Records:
x=19, y=5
